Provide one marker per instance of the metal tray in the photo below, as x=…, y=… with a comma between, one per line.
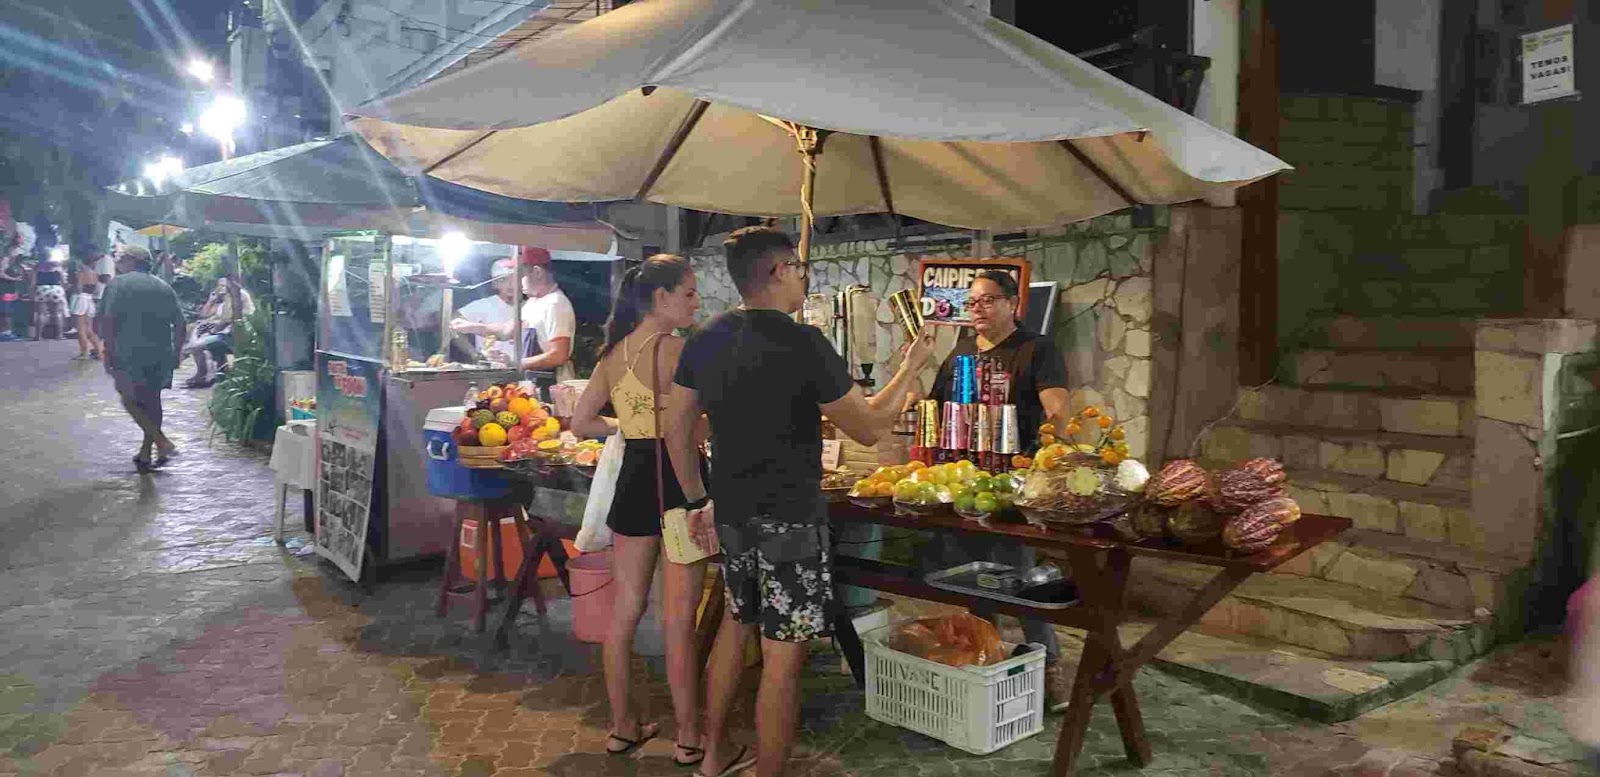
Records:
x=1056, y=595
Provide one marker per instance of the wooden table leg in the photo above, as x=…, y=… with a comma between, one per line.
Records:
x=451, y=563
x=1104, y=590
x=480, y=594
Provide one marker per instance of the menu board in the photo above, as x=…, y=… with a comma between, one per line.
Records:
x=349, y=407
x=943, y=283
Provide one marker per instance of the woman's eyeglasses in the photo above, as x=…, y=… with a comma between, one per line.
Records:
x=985, y=302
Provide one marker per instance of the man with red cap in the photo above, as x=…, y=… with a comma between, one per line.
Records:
x=547, y=320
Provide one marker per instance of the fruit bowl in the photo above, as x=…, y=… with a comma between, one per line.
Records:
x=973, y=514
x=871, y=502
x=921, y=508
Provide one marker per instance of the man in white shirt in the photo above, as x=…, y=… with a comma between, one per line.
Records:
x=547, y=319
x=495, y=309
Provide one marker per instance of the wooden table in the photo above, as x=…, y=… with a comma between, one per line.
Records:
x=1099, y=564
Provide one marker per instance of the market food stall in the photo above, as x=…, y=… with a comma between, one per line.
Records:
x=386, y=357
x=955, y=118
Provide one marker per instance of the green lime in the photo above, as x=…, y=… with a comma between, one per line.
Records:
x=960, y=490
x=983, y=483
x=906, y=490
x=927, y=494
x=1002, y=485
x=965, y=502
x=985, y=502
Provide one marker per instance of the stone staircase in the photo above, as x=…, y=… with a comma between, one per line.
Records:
x=1375, y=424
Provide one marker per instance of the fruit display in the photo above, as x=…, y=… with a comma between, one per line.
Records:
x=918, y=488
x=1256, y=480
x=1075, y=482
x=1178, y=482
x=1195, y=523
x=1260, y=524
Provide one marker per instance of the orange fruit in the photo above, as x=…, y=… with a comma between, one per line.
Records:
x=1047, y=429
x=494, y=392
x=1021, y=462
x=1047, y=439
x=1073, y=428
x=520, y=405
x=914, y=466
x=1105, y=422
x=492, y=435
x=1118, y=433
x=1091, y=411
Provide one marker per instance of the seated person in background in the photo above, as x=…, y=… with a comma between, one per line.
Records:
x=213, y=333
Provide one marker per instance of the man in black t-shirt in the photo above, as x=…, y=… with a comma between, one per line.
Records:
x=1039, y=390
x=765, y=381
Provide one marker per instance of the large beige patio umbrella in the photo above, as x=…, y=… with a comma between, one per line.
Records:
x=825, y=107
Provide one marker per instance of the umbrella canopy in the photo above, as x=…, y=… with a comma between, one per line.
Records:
x=925, y=107
x=309, y=189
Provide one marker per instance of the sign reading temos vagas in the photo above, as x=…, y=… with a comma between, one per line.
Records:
x=1547, y=72
x=943, y=284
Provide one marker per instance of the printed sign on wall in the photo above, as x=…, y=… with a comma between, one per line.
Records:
x=943, y=284
x=1547, y=68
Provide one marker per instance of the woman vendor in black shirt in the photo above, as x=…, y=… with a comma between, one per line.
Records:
x=1039, y=390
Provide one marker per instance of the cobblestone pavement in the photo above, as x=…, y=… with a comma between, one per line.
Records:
x=150, y=626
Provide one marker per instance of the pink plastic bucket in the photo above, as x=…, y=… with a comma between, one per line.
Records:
x=593, y=596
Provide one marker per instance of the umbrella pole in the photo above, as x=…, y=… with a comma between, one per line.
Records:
x=809, y=141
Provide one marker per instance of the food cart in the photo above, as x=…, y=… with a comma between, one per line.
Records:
x=385, y=357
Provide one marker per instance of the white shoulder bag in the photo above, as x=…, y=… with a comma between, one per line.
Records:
x=595, y=535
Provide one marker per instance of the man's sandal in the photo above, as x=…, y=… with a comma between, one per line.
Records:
x=647, y=732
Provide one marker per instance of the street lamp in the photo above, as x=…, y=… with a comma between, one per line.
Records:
x=201, y=71
x=163, y=169
x=225, y=114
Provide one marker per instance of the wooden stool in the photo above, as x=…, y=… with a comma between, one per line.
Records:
x=487, y=515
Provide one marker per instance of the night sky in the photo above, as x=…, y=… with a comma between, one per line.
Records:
x=73, y=73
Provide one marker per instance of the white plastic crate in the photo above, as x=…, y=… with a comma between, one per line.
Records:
x=979, y=709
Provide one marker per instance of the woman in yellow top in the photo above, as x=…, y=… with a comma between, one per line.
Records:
x=656, y=298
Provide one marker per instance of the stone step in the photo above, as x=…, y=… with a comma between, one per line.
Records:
x=1427, y=513
x=1367, y=410
x=1447, y=371
x=1293, y=679
x=1397, y=332
x=1392, y=565
x=1411, y=459
x=1338, y=619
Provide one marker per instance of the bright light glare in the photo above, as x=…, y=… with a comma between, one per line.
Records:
x=226, y=114
x=187, y=128
x=453, y=247
x=163, y=169
x=201, y=70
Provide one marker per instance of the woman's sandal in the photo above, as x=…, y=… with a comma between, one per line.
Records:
x=739, y=763
x=647, y=732
x=144, y=466
x=696, y=755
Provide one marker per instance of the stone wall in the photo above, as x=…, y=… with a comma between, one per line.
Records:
x=1524, y=471
x=1103, y=268
x=1372, y=263
x=1349, y=153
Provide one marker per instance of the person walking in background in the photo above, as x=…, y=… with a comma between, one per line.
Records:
x=48, y=288
x=636, y=365
x=11, y=279
x=765, y=381
x=87, y=281
x=142, y=325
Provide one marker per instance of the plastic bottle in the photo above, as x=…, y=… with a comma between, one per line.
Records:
x=471, y=400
